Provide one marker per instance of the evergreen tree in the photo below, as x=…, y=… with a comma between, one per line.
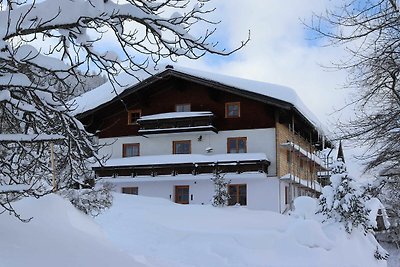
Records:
x=221, y=195
x=345, y=200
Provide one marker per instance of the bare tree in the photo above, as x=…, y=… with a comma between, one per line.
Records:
x=370, y=32
x=45, y=43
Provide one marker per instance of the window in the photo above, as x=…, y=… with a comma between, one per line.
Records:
x=237, y=194
x=286, y=195
x=182, y=107
x=182, y=194
x=237, y=145
x=130, y=150
x=181, y=147
x=133, y=116
x=232, y=110
x=130, y=190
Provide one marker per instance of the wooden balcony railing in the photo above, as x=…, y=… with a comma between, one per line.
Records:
x=175, y=122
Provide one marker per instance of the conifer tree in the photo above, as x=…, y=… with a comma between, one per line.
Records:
x=345, y=200
x=221, y=195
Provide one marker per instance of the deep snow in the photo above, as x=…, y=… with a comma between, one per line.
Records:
x=58, y=235
x=140, y=231
x=168, y=234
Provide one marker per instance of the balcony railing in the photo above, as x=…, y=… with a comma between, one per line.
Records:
x=175, y=122
x=183, y=164
x=310, y=156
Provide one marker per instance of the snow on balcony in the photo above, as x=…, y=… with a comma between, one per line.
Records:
x=220, y=159
x=310, y=184
x=310, y=156
x=176, y=115
x=173, y=122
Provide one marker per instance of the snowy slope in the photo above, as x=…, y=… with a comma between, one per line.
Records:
x=58, y=235
x=161, y=233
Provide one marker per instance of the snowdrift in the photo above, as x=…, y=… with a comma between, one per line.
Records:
x=58, y=235
x=162, y=233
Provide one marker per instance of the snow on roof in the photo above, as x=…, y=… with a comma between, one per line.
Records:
x=183, y=159
x=106, y=93
x=175, y=115
x=279, y=92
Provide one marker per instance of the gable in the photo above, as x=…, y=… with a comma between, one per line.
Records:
x=282, y=103
x=162, y=96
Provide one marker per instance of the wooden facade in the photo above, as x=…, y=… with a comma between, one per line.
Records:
x=169, y=90
x=162, y=96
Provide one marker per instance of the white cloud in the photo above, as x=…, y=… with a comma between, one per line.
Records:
x=279, y=52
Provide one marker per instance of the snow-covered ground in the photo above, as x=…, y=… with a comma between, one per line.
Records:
x=58, y=235
x=140, y=231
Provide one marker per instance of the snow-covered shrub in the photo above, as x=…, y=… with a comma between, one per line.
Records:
x=91, y=201
x=348, y=201
x=221, y=195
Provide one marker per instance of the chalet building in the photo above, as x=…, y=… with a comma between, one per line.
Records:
x=168, y=134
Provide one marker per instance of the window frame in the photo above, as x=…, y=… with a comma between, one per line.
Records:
x=176, y=193
x=130, y=190
x=130, y=112
x=174, y=143
x=124, y=146
x=185, y=105
x=237, y=197
x=237, y=144
x=227, y=104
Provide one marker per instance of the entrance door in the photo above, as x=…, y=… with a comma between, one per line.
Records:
x=182, y=194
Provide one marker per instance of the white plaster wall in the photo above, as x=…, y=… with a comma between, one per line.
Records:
x=262, y=192
x=258, y=141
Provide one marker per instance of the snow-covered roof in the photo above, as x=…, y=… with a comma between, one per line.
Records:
x=106, y=93
x=103, y=94
x=175, y=115
x=184, y=159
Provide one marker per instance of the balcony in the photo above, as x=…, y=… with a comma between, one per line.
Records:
x=309, y=156
x=183, y=164
x=176, y=122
